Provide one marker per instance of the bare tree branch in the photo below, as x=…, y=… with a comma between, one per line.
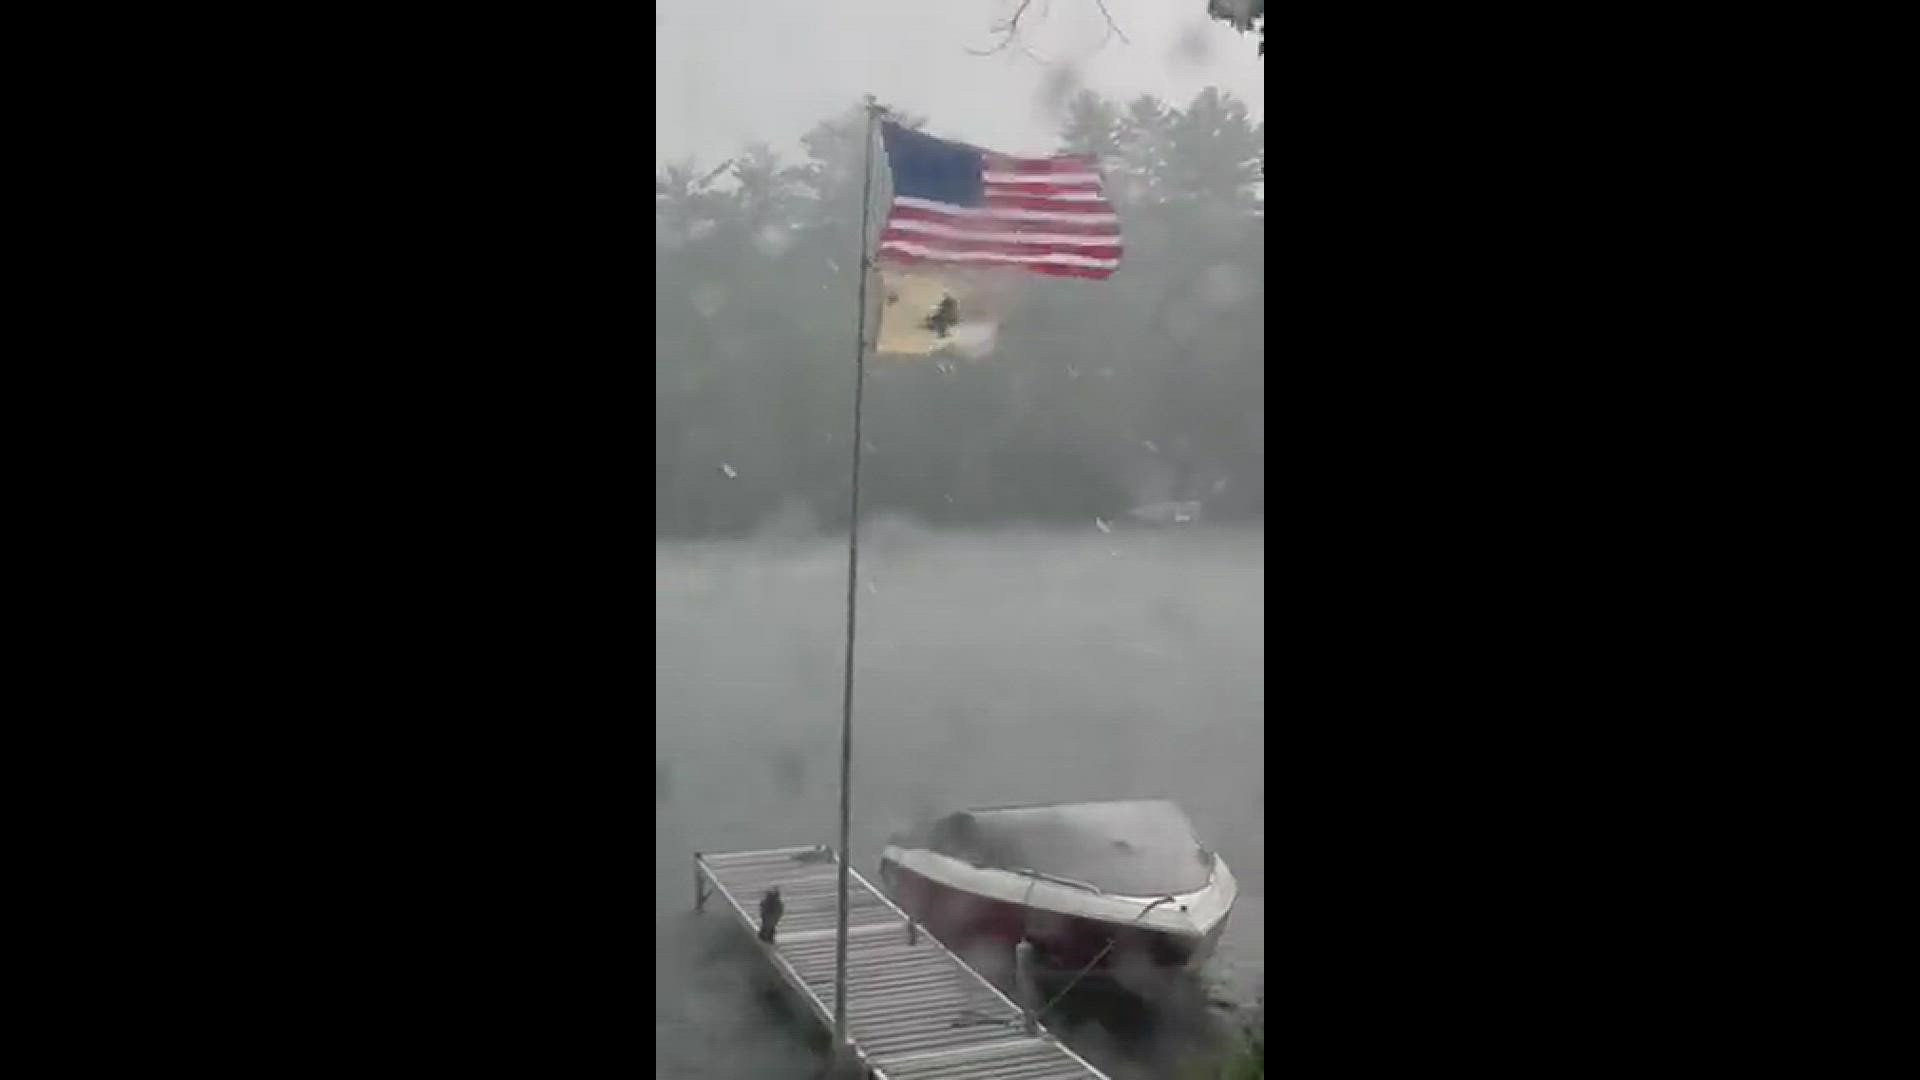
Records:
x=1113, y=28
x=1009, y=28
x=1006, y=30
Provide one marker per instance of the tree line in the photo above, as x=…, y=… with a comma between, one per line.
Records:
x=1098, y=397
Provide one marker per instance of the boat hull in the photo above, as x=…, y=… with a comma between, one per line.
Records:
x=967, y=916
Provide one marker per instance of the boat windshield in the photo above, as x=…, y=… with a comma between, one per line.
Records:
x=1129, y=848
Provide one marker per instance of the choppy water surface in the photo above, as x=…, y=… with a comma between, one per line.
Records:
x=992, y=669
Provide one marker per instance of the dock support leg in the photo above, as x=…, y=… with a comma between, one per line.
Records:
x=700, y=891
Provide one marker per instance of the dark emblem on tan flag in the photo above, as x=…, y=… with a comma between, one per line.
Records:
x=944, y=317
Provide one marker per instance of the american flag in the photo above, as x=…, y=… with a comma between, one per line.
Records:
x=963, y=206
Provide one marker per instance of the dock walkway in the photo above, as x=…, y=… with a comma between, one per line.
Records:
x=915, y=1011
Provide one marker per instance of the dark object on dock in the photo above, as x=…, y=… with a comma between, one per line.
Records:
x=770, y=909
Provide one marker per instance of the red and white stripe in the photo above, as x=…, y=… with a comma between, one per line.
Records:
x=1048, y=215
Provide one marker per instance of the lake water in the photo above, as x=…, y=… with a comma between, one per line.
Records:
x=1003, y=668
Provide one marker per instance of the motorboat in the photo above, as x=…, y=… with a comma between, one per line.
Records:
x=1111, y=885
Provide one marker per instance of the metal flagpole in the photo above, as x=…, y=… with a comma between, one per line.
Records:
x=840, y=1044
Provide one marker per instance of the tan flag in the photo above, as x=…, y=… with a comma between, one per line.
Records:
x=925, y=313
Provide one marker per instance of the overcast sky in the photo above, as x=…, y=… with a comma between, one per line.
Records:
x=730, y=74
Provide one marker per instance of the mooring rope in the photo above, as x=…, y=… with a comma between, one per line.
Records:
x=1097, y=958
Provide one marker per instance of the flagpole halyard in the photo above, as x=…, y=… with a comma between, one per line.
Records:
x=841, y=1045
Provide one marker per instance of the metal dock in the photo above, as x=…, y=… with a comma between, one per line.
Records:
x=915, y=1011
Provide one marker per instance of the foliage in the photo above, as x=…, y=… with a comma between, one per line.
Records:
x=1250, y=1061
x=1242, y=15
x=1098, y=397
x=1246, y=1060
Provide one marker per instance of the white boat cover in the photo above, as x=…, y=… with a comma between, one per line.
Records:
x=1133, y=848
